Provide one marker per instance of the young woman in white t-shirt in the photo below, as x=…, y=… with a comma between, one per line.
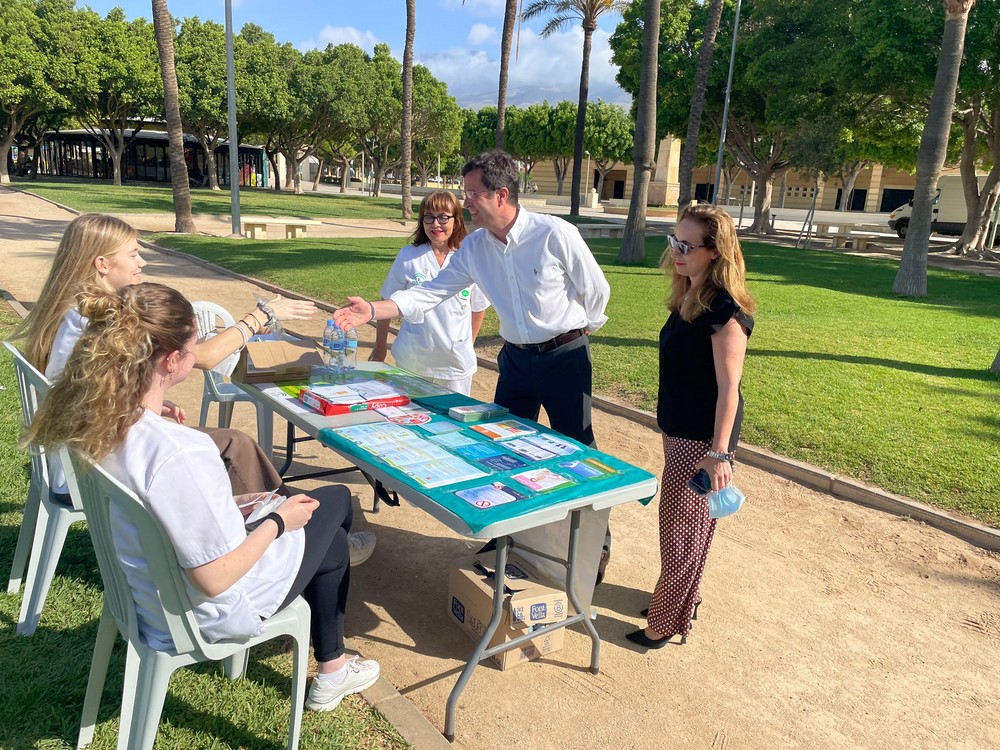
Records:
x=441, y=348
x=140, y=342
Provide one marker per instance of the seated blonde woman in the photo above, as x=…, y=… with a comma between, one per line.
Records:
x=102, y=249
x=138, y=343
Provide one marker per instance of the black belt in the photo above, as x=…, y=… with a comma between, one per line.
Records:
x=548, y=346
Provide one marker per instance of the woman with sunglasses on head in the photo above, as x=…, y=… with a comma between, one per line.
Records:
x=139, y=342
x=440, y=348
x=700, y=408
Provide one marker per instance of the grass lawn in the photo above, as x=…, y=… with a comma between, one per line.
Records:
x=841, y=373
x=44, y=677
x=147, y=199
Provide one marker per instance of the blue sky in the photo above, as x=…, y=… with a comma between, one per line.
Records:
x=459, y=43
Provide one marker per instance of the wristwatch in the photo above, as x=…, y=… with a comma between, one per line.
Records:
x=721, y=456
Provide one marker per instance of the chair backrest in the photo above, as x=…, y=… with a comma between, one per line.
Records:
x=32, y=387
x=211, y=317
x=102, y=495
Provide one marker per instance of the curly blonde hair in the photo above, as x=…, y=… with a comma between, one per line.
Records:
x=100, y=393
x=728, y=271
x=87, y=238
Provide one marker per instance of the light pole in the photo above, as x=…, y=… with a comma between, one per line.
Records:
x=725, y=106
x=590, y=177
x=234, y=146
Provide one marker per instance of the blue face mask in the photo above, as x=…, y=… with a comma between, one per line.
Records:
x=725, y=502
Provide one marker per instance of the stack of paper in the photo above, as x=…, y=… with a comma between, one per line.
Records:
x=476, y=412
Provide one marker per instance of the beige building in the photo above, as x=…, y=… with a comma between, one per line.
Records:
x=878, y=189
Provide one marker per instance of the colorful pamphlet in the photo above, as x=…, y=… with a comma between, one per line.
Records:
x=327, y=408
x=509, y=428
x=542, y=480
x=541, y=447
x=588, y=468
x=502, y=462
x=489, y=495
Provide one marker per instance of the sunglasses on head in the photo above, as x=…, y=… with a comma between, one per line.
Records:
x=681, y=246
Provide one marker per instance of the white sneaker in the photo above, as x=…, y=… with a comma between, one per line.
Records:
x=326, y=696
x=362, y=544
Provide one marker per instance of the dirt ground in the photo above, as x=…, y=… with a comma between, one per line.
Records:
x=824, y=625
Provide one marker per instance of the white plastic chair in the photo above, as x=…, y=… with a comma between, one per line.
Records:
x=45, y=522
x=148, y=671
x=217, y=389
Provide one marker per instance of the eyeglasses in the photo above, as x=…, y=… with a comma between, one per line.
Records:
x=683, y=247
x=441, y=219
x=471, y=195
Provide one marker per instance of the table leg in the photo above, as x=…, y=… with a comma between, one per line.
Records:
x=503, y=545
x=588, y=624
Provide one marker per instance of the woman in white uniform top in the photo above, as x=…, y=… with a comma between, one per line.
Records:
x=138, y=343
x=441, y=348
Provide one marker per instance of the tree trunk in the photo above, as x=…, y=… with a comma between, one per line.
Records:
x=764, y=184
x=581, y=118
x=116, y=153
x=911, y=279
x=406, y=133
x=272, y=158
x=689, y=149
x=633, y=248
x=5, y=146
x=509, y=17
x=319, y=174
x=163, y=28
x=211, y=167
x=345, y=174
x=560, y=164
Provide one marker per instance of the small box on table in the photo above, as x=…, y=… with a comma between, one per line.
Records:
x=276, y=361
x=530, y=600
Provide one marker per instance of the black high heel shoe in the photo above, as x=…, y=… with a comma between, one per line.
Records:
x=639, y=637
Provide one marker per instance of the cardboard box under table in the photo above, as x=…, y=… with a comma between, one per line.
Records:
x=531, y=601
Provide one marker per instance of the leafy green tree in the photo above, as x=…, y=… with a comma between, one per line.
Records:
x=379, y=127
x=561, y=140
x=347, y=106
x=911, y=279
x=610, y=138
x=201, y=78
x=115, y=80
x=437, y=122
x=689, y=149
x=163, y=27
x=479, y=131
x=562, y=13
x=27, y=65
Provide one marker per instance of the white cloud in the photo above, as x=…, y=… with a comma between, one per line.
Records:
x=546, y=68
x=480, y=34
x=340, y=35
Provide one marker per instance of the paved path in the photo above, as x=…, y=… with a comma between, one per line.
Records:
x=825, y=625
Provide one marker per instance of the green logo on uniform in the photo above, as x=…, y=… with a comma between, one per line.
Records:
x=465, y=294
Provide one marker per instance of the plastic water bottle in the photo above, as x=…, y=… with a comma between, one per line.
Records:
x=327, y=342
x=337, y=343
x=351, y=349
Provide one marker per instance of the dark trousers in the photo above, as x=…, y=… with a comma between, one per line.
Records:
x=325, y=574
x=560, y=381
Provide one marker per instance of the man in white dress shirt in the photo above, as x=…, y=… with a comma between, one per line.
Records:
x=546, y=287
x=547, y=290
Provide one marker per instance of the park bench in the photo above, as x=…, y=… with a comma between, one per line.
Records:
x=857, y=242
x=255, y=227
x=588, y=231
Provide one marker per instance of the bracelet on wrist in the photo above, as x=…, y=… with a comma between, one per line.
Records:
x=243, y=334
x=721, y=456
x=269, y=312
x=277, y=520
x=372, y=306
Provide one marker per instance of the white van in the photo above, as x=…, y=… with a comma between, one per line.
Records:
x=949, y=212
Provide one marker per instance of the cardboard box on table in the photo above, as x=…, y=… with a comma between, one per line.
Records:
x=276, y=361
x=531, y=600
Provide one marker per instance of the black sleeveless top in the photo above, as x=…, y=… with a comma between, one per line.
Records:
x=688, y=389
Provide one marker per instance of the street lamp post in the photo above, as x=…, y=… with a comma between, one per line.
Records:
x=725, y=106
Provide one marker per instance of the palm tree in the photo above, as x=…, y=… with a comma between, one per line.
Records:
x=163, y=27
x=634, y=238
x=689, y=150
x=407, y=129
x=563, y=12
x=509, y=16
x=911, y=279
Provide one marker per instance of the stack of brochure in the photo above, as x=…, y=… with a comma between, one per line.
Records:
x=477, y=412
